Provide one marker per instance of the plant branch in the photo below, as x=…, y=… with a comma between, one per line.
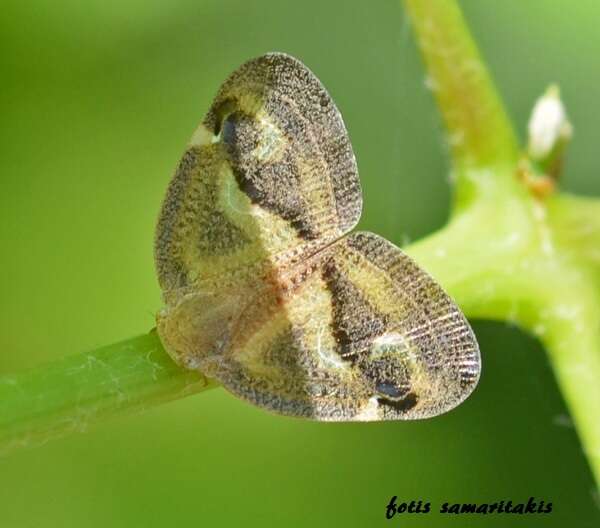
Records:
x=480, y=134
x=72, y=394
x=504, y=276
x=511, y=252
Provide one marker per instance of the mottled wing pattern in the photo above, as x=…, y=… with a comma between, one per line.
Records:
x=262, y=288
x=269, y=176
x=288, y=145
x=358, y=332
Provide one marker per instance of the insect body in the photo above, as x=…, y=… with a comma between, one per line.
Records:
x=266, y=289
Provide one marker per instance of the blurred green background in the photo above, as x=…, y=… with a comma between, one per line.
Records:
x=98, y=100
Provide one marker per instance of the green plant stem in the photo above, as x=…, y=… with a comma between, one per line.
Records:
x=72, y=394
x=480, y=133
x=506, y=254
x=513, y=276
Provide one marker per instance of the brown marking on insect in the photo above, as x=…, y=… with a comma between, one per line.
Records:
x=264, y=287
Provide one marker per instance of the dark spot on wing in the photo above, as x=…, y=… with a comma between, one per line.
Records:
x=389, y=388
x=403, y=405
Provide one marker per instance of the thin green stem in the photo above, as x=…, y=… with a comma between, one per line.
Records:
x=480, y=134
x=74, y=393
